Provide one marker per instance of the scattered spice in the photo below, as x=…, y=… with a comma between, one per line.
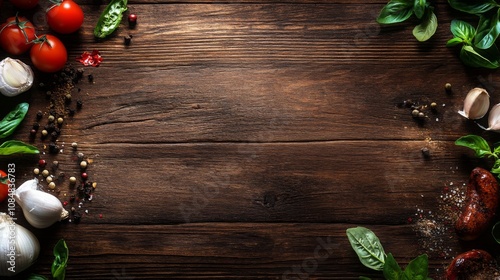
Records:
x=132, y=20
x=127, y=39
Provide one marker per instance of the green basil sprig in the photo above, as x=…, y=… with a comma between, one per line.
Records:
x=396, y=11
x=12, y=147
x=61, y=254
x=58, y=269
x=12, y=120
x=482, y=149
x=470, y=54
x=488, y=11
x=372, y=255
x=110, y=18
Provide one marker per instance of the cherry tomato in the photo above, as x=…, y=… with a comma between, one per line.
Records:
x=24, y=4
x=16, y=35
x=4, y=186
x=65, y=17
x=48, y=54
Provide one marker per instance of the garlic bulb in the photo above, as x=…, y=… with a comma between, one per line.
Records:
x=19, y=248
x=40, y=209
x=15, y=77
x=476, y=104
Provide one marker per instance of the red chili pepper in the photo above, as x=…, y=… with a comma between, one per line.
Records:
x=90, y=59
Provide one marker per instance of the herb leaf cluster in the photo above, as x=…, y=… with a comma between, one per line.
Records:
x=397, y=11
x=372, y=255
x=482, y=149
x=478, y=44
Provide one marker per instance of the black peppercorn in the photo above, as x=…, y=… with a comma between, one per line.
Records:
x=79, y=104
x=36, y=126
x=53, y=148
x=91, y=78
x=127, y=39
x=71, y=112
x=39, y=115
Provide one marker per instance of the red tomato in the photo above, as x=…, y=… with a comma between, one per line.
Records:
x=48, y=54
x=65, y=17
x=12, y=37
x=4, y=186
x=24, y=4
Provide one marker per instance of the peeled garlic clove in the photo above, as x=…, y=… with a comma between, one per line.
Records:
x=40, y=209
x=494, y=119
x=19, y=248
x=15, y=77
x=476, y=104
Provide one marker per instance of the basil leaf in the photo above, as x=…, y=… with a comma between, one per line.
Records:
x=419, y=8
x=488, y=30
x=473, y=6
x=12, y=120
x=11, y=147
x=61, y=254
x=367, y=246
x=110, y=18
x=427, y=28
x=417, y=269
x=455, y=41
x=480, y=58
x=36, y=277
x=392, y=271
x=495, y=231
x=395, y=11
x=496, y=168
x=462, y=30
x=476, y=143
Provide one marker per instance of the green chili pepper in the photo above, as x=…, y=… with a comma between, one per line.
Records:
x=110, y=18
x=13, y=119
x=11, y=147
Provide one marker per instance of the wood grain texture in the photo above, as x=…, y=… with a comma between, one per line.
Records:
x=230, y=140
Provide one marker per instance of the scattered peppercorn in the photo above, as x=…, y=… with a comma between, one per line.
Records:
x=53, y=148
x=79, y=104
x=45, y=173
x=415, y=113
x=39, y=115
x=83, y=164
x=90, y=77
x=49, y=179
x=52, y=185
x=127, y=40
x=67, y=98
x=447, y=86
x=80, y=155
x=132, y=20
x=51, y=118
x=72, y=180
x=44, y=133
x=42, y=163
x=85, y=176
x=74, y=145
x=60, y=121
x=421, y=115
x=36, y=171
x=32, y=133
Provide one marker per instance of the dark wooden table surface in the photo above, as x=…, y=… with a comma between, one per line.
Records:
x=241, y=139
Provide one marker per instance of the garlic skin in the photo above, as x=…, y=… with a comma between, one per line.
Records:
x=15, y=77
x=25, y=244
x=476, y=104
x=40, y=209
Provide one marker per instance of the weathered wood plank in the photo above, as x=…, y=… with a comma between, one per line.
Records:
x=224, y=251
